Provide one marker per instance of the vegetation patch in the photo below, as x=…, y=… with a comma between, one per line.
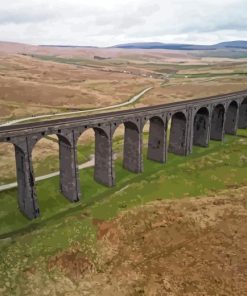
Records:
x=40, y=246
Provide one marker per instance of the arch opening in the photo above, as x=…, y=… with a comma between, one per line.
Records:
x=45, y=164
x=242, y=122
x=44, y=154
x=231, y=118
x=8, y=163
x=217, y=123
x=201, y=128
x=177, y=138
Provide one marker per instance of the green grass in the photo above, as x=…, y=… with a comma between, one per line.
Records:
x=84, y=152
x=71, y=61
x=191, y=176
x=208, y=75
x=30, y=243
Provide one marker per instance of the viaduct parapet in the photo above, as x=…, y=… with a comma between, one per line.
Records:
x=190, y=123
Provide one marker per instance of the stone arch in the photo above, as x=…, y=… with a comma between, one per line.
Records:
x=157, y=139
x=8, y=165
x=66, y=165
x=177, y=137
x=56, y=143
x=242, y=122
x=217, y=123
x=103, y=158
x=64, y=139
x=103, y=168
x=231, y=118
x=45, y=158
x=131, y=125
x=201, y=127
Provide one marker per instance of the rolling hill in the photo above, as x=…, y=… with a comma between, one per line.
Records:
x=174, y=46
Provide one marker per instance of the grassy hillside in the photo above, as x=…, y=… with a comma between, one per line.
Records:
x=25, y=245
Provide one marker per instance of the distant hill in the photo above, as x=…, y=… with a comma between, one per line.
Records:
x=68, y=46
x=232, y=44
x=174, y=46
x=226, y=49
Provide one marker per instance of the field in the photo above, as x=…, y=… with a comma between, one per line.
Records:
x=48, y=80
x=176, y=229
x=30, y=249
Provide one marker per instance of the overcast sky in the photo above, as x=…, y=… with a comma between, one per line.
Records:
x=109, y=22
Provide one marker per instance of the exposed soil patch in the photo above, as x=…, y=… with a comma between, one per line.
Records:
x=181, y=247
x=188, y=247
x=73, y=263
x=107, y=230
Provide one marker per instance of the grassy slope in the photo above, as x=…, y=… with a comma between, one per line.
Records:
x=220, y=166
x=202, y=75
x=194, y=175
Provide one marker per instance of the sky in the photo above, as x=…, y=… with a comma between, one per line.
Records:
x=110, y=22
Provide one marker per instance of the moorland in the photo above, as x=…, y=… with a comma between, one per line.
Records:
x=192, y=209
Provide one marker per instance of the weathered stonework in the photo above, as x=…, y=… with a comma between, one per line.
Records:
x=201, y=127
x=157, y=140
x=242, y=123
x=217, y=122
x=178, y=133
x=192, y=123
x=231, y=123
x=104, y=166
x=69, y=174
x=133, y=147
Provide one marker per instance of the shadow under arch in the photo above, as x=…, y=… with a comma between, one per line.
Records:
x=242, y=122
x=177, y=137
x=231, y=118
x=201, y=127
x=217, y=123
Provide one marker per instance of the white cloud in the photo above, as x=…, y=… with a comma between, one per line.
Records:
x=108, y=22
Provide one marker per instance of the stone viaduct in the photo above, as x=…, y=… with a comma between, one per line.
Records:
x=193, y=122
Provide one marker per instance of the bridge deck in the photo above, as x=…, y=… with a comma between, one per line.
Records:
x=117, y=114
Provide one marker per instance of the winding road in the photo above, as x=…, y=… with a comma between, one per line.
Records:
x=130, y=101
x=87, y=164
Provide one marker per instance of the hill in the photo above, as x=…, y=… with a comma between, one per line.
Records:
x=174, y=46
x=13, y=47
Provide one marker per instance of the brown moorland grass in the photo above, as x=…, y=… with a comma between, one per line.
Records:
x=183, y=247
x=31, y=85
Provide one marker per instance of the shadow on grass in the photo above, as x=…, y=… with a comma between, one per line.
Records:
x=54, y=206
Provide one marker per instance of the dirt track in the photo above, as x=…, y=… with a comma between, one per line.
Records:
x=184, y=247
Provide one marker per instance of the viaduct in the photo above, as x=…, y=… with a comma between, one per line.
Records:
x=193, y=122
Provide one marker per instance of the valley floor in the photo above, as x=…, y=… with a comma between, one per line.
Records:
x=176, y=229
x=188, y=247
